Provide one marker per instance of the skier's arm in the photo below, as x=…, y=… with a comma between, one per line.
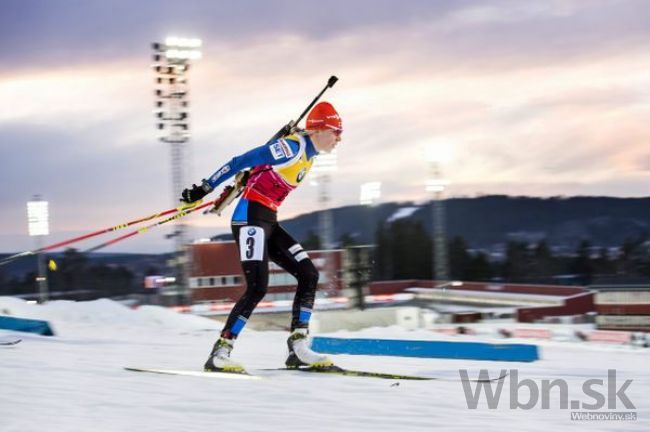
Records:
x=275, y=153
x=258, y=156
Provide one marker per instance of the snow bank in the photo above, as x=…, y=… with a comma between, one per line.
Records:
x=401, y=213
x=63, y=314
x=77, y=382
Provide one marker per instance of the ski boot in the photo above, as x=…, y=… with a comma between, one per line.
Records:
x=219, y=360
x=301, y=355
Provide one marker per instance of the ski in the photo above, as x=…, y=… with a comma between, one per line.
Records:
x=336, y=370
x=9, y=343
x=224, y=375
x=333, y=370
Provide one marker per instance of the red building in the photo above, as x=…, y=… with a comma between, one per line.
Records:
x=216, y=274
x=623, y=307
x=216, y=277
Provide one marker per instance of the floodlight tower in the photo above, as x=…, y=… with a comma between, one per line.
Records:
x=436, y=154
x=324, y=166
x=370, y=193
x=171, y=63
x=38, y=223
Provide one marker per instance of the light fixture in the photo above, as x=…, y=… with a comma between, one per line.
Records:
x=173, y=58
x=183, y=42
x=326, y=163
x=38, y=218
x=370, y=193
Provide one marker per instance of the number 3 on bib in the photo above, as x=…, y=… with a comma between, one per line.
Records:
x=251, y=243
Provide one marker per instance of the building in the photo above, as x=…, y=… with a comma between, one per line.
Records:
x=216, y=281
x=216, y=274
x=622, y=307
x=527, y=302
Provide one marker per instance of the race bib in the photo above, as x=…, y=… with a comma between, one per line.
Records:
x=251, y=243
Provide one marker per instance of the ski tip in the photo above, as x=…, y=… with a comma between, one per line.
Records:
x=336, y=370
x=486, y=380
x=227, y=375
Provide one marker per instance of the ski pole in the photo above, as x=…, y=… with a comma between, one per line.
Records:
x=178, y=215
x=11, y=258
x=289, y=127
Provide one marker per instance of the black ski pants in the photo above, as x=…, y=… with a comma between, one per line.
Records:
x=259, y=239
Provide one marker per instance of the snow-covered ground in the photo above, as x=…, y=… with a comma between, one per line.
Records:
x=75, y=381
x=402, y=212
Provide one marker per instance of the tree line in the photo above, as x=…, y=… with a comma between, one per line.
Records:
x=76, y=277
x=404, y=251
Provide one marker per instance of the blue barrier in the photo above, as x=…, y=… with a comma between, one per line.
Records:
x=26, y=325
x=428, y=349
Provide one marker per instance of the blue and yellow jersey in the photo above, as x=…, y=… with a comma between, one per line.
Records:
x=278, y=168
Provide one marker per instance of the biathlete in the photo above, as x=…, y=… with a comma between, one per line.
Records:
x=277, y=168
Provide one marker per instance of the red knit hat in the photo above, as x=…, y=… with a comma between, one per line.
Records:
x=324, y=116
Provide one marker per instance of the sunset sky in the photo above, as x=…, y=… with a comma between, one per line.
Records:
x=539, y=98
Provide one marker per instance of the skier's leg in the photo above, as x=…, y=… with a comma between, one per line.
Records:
x=252, y=244
x=288, y=254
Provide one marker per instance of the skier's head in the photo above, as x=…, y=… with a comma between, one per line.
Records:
x=324, y=127
x=324, y=117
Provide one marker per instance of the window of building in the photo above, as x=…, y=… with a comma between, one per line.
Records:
x=281, y=279
x=215, y=281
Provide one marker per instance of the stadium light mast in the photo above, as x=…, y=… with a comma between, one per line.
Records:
x=370, y=193
x=324, y=166
x=171, y=63
x=38, y=224
x=436, y=154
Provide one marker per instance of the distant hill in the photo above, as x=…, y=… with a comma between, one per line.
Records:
x=489, y=220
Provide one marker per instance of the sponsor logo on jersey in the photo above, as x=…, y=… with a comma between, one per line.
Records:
x=281, y=150
x=301, y=175
x=276, y=151
x=286, y=149
x=251, y=231
x=221, y=172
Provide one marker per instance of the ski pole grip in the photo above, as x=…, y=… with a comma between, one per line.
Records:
x=332, y=81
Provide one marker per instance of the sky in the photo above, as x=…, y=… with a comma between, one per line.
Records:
x=539, y=98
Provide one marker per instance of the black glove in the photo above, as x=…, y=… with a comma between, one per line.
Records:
x=196, y=193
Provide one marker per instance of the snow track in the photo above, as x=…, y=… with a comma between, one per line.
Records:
x=75, y=381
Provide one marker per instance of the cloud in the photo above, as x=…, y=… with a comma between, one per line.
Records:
x=40, y=31
x=537, y=98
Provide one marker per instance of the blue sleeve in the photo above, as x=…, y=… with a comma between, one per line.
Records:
x=277, y=152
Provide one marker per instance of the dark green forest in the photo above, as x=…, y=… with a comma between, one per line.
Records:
x=403, y=251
